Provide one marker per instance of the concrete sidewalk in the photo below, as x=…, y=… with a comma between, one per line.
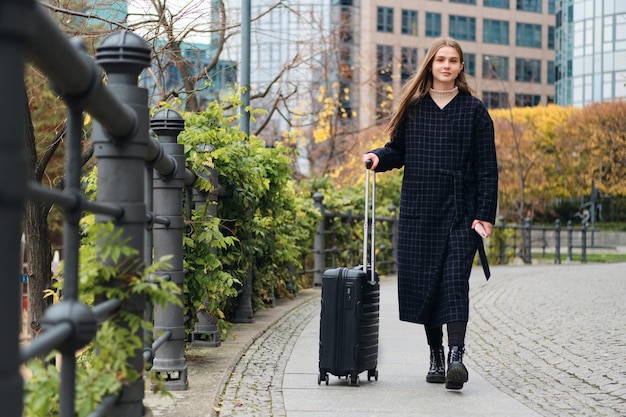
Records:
x=401, y=389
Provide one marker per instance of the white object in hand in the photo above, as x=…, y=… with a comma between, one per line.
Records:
x=480, y=230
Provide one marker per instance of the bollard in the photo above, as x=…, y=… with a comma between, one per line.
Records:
x=319, y=261
x=206, y=332
x=169, y=359
x=123, y=55
x=243, y=312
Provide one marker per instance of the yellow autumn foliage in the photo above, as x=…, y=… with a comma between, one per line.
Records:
x=552, y=152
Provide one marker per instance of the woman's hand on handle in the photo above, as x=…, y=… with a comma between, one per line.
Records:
x=370, y=157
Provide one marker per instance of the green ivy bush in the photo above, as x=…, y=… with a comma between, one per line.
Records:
x=263, y=225
x=103, y=366
x=347, y=233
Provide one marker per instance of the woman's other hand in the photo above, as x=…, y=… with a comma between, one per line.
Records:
x=483, y=228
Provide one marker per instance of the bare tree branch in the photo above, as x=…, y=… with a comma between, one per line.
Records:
x=89, y=16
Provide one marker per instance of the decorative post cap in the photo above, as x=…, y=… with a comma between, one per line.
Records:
x=123, y=52
x=318, y=197
x=167, y=123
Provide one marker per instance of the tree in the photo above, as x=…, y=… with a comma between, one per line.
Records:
x=551, y=153
x=309, y=94
x=531, y=163
x=596, y=140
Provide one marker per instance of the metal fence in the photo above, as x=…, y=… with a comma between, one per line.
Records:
x=519, y=241
x=338, y=241
x=140, y=183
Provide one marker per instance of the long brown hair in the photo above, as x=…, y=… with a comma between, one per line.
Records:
x=421, y=82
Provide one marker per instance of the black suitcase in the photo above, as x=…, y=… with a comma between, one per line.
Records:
x=349, y=315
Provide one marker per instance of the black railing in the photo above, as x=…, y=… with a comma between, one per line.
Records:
x=338, y=241
x=510, y=241
x=140, y=187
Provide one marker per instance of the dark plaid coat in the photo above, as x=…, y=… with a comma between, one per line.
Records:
x=450, y=179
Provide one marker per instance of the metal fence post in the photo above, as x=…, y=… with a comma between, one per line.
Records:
x=570, y=243
x=557, y=242
x=13, y=169
x=527, y=241
x=583, y=243
x=319, y=257
x=244, y=312
x=120, y=163
x=169, y=360
x=502, y=239
x=205, y=332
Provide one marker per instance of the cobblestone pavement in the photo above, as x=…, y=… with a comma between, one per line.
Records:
x=551, y=336
x=255, y=386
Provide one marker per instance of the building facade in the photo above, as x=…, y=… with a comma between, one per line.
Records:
x=590, y=51
x=509, y=48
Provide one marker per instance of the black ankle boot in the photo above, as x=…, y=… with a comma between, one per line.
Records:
x=457, y=372
x=437, y=372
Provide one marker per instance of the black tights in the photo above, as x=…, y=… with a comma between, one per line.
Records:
x=456, y=334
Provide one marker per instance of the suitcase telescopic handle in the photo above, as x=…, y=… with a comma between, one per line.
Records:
x=368, y=165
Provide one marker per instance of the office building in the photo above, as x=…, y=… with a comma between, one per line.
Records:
x=590, y=51
x=508, y=47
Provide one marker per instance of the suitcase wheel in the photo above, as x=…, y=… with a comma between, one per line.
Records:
x=372, y=373
x=353, y=380
x=322, y=377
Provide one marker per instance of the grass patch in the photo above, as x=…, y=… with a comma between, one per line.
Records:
x=591, y=257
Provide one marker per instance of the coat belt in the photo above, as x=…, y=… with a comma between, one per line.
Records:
x=458, y=208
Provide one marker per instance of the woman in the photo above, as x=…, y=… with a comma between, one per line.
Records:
x=444, y=138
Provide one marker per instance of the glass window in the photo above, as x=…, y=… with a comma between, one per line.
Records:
x=464, y=1
x=500, y=4
x=551, y=72
x=569, y=68
x=551, y=36
x=529, y=5
x=470, y=64
x=384, y=19
x=433, y=24
x=551, y=6
x=496, y=67
x=528, y=70
x=495, y=99
x=528, y=35
x=526, y=100
x=409, y=62
x=463, y=28
x=384, y=62
x=496, y=31
x=409, y=22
